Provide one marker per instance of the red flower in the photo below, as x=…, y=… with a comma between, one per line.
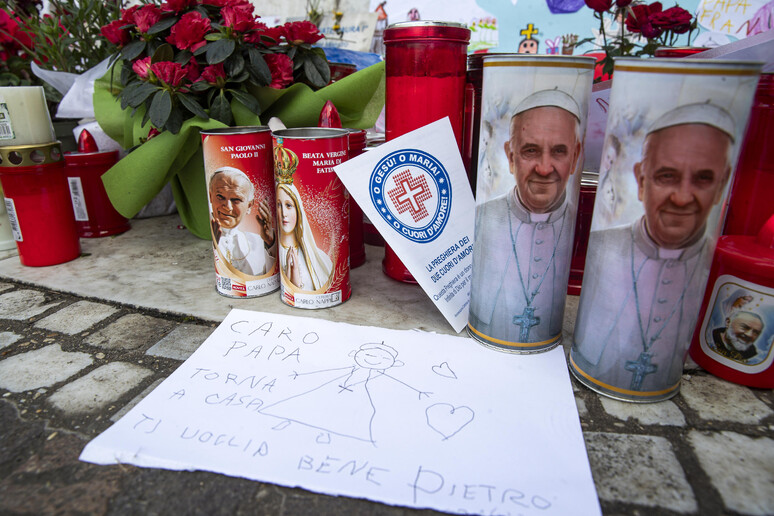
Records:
x=141, y=67
x=281, y=67
x=622, y=3
x=188, y=33
x=115, y=34
x=260, y=29
x=297, y=33
x=146, y=17
x=127, y=15
x=152, y=133
x=600, y=6
x=177, y=6
x=12, y=26
x=240, y=17
x=640, y=20
x=676, y=19
x=214, y=74
x=171, y=74
x=225, y=3
x=194, y=72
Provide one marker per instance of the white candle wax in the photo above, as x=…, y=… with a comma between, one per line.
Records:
x=24, y=118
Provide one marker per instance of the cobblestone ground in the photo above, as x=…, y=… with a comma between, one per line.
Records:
x=70, y=366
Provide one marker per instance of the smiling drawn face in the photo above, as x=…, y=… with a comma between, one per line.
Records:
x=374, y=358
x=680, y=178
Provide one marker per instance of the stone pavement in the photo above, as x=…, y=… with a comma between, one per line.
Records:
x=73, y=359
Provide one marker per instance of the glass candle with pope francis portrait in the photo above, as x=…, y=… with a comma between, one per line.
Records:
x=677, y=126
x=530, y=154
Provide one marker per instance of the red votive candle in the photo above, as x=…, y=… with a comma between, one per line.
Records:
x=95, y=215
x=38, y=203
x=426, y=63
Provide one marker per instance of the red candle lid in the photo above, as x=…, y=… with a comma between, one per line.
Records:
x=426, y=30
x=329, y=116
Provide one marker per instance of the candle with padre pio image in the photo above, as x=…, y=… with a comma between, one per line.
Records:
x=529, y=168
x=676, y=126
x=239, y=175
x=312, y=216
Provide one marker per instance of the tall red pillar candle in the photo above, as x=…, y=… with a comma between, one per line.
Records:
x=426, y=63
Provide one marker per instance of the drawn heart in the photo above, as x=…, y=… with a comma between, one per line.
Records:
x=444, y=370
x=447, y=419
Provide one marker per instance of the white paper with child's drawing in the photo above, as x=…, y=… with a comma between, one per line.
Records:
x=401, y=417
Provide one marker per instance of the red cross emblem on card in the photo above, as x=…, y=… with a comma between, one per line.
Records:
x=410, y=194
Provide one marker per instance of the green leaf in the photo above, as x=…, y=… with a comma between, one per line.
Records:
x=192, y=105
x=160, y=108
x=242, y=77
x=292, y=52
x=199, y=86
x=256, y=66
x=234, y=64
x=247, y=100
x=218, y=51
x=215, y=36
x=133, y=49
x=139, y=94
x=183, y=57
x=164, y=53
x=175, y=121
x=202, y=49
x=162, y=25
x=316, y=71
x=220, y=110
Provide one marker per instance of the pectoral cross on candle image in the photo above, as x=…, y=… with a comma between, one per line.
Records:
x=526, y=320
x=640, y=367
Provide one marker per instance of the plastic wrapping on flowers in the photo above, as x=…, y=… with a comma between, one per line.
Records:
x=187, y=65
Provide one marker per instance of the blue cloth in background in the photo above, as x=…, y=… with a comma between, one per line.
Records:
x=359, y=59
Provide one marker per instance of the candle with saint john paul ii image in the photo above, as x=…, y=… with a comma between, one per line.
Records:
x=672, y=138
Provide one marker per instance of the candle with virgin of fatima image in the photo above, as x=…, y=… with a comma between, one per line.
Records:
x=533, y=118
x=676, y=127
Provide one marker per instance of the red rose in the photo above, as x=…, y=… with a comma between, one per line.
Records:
x=214, y=74
x=146, y=17
x=141, y=67
x=600, y=6
x=171, y=74
x=127, y=15
x=225, y=3
x=281, y=67
x=639, y=20
x=240, y=17
x=297, y=33
x=188, y=33
x=115, y=34
x=676, y=19
x=177, y=6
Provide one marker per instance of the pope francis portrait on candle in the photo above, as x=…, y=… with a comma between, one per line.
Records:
x=643, y=283
x=523, y=239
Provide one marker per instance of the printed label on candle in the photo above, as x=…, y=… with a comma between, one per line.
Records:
x=79, y=201
x=11, y=210
x=738, y=328
x=6, y=130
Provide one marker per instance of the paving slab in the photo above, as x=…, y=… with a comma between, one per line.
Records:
x=740, y=467
x=181, y=342
x=130, y=332
x=99, y=388
x=664, y=413
x=639, y=469
x=137, y=399
x=718, y=400
x=77, y=317
x=20, y=305
x=7, y=338
x=43, y=367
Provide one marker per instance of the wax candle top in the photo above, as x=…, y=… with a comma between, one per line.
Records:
x=24, y=118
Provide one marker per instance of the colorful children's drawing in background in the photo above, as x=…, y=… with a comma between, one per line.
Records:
x=530, y=44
